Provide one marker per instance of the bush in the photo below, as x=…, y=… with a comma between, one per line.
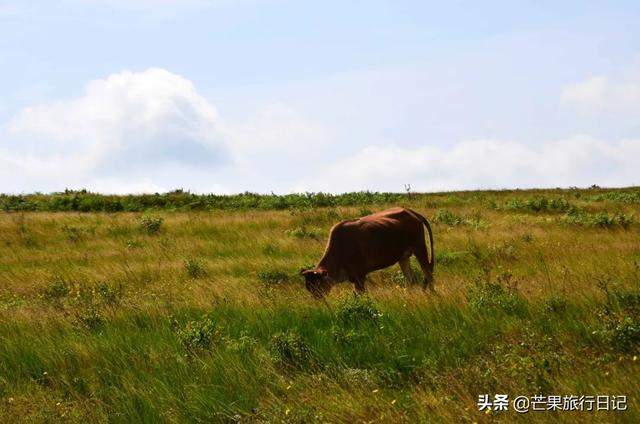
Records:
x=600, y=219
x=84, y=201
x=150, y=224
x=448, y=218
x=57, y=289
x=624, y=334
x=620, y=319
x=556, y=305
x=356, y=310
x=109, y=294
x=618, y=197
x=199, y=335
x=538, y=204
x=90, y=317
x=500, y=295
x=194, y=268
x=291, y=351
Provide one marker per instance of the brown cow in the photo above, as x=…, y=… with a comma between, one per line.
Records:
x=357, y=247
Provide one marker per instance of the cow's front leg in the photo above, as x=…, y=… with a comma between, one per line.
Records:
x=359, y=285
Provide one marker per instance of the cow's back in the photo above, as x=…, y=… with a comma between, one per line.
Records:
x=383, y=238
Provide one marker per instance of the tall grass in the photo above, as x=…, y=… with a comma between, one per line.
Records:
x=206, y=319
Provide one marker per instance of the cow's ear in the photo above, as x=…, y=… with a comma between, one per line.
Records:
x=323, y=272
x=306, y=272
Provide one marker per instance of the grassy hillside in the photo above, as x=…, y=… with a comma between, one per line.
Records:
x=193, y=310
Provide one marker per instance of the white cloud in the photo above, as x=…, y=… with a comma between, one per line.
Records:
x=152, y=131
x=277, y=127
x=149, y=131
x=604, y=94
x=476, y=164
x=114, y=185
x=128, y=124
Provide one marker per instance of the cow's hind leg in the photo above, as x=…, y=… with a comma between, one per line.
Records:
x=405, y=266
x=420, y=252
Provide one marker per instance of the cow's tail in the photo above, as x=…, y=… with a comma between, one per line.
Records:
x=432, y=253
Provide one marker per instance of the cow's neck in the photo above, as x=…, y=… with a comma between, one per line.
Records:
x=330, y=264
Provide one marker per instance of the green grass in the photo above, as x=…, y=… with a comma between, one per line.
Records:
x=188, y=315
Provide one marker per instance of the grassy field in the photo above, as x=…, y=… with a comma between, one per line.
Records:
x=200, y=315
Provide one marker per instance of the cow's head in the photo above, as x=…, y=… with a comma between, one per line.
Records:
x=317, y=281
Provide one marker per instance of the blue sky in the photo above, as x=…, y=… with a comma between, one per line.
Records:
x=260, y=95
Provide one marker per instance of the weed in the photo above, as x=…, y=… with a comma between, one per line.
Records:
x=618, y=197
x=109, y=294
x=244, y=343
x=133, y=244
x=194, y=268
x=291, y=351
x=199, y=335
x=448, y=218
x=151, y=224
x=89, y=317
x=57, y=289
x=555, y=305
x=600, y=219
x=356, y=310
x=624, y=333
x=487, y=296
x=538, y=204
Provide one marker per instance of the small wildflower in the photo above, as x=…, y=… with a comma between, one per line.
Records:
x=287, y=411
x=393, y=402
x=635, y=358
x=289, y=387
x=375, y=391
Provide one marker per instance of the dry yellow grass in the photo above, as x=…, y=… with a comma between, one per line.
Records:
x=98, y=304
